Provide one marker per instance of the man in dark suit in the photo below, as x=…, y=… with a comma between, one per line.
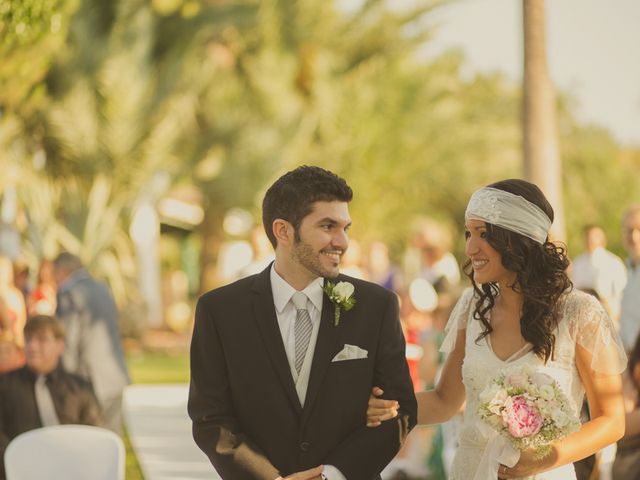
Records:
x=43, y=393
x=280, y=389
x=94, y=349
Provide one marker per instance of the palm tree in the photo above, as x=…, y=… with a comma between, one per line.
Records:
x=542, y=164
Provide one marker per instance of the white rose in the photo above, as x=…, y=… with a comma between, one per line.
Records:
x=527, y=369
x=541, y=379
x=343, y=290
x=488, y=393
x=494, y=395
x=560, y=418
x=516, y=380
x=498, y=401
x=547, y=392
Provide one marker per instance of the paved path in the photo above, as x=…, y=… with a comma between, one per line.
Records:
x=160, y=432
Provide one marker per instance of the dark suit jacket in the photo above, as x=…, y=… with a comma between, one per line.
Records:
x=72, y=396
x=246, y=415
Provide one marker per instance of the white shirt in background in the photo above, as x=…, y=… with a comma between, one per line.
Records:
x=603, y=272
x=630, y=308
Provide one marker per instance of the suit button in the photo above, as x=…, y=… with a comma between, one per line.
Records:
x=305, y=446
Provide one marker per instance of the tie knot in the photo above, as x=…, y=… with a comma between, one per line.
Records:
x=299, y=299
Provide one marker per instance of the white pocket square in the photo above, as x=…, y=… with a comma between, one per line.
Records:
x=350, y=352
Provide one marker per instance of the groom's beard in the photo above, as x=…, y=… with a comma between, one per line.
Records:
x=316, y=262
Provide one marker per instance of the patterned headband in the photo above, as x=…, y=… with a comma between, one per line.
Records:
x=509, y=211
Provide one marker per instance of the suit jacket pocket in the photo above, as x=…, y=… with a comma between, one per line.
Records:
x=351, y=364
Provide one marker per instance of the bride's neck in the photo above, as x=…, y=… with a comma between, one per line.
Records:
x=510, y=300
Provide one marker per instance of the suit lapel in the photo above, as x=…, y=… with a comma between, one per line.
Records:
x=267, y=320
x=328, y=339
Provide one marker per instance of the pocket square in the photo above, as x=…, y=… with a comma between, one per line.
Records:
x=350, y=352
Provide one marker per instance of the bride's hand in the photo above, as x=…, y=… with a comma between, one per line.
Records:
x=528, y=465
x=380, y=410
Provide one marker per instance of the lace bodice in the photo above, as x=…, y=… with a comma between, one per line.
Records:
x=583, y=321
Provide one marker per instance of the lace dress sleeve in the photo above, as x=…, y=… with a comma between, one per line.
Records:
x=597, y=334
x=457, y=320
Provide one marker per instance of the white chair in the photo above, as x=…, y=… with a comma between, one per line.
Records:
x=65, y=452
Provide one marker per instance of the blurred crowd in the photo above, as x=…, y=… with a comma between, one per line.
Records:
x=61, y=358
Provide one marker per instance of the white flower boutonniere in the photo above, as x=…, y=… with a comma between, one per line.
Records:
x=341, y=294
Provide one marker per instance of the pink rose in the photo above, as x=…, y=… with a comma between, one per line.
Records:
x=522, y=418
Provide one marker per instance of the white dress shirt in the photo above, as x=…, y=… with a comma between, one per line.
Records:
x=603, y=272
x=286, y=313
x=630, y=308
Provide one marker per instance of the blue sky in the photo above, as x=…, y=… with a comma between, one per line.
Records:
x=592, y=49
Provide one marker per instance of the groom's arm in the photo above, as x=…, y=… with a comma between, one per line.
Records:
x=367, y=451
x=216, y=430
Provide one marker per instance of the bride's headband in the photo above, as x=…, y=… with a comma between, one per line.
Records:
x=509, y=211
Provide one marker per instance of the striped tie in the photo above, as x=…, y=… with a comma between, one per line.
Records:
x=302, y=328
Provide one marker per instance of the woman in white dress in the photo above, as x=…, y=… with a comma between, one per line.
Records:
x=521, y=310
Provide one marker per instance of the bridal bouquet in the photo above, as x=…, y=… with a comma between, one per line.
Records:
x=528, y=408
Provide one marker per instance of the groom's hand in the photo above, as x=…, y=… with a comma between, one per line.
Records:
x=380, y=410
x=311, y=474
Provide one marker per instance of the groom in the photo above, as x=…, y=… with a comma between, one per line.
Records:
x=278, y=390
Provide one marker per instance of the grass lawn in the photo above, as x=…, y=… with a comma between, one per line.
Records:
x=158, y=367
x=153, y=367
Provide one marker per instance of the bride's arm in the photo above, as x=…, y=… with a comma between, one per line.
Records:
x=443, y=402
x=606, y=407
x=434, y=406
x=606, y=426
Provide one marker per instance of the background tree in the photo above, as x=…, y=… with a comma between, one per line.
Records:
x=542, y=163
x=140, y=97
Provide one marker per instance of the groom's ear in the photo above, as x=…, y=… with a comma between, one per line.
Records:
x=283, y=231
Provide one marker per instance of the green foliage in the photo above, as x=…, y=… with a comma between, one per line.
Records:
x=228, y=95
x=30, y=32
x=598, y=185
x=91, y=229
x=157, y=367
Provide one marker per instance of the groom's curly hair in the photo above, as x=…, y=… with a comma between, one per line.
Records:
x=292, y=196
x=541, y=274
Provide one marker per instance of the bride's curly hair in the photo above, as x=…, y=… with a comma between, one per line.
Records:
x=541, y=275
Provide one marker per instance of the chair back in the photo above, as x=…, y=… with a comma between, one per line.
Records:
x=65, y=452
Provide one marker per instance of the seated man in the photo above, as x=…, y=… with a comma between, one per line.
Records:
x=42, y=393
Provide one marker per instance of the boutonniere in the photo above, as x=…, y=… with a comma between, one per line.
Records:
x=341, y=294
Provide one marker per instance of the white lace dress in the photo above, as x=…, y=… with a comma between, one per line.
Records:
x=583, y=321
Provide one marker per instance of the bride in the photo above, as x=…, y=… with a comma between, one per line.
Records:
x=521, y=310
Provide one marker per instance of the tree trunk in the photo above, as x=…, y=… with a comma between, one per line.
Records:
x=542, y=164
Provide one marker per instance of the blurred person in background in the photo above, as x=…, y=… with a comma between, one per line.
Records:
x=11, y=355
x=438, y=265
x=21, y=276
x=42, y=299
x=94, y=348
x=630, y=305
x=352, y=263
x=13, y=300
x=380, y=269
x=600, y=270
x=262, y=253
x=43, y=393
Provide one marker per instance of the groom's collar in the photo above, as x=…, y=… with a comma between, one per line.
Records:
x=282, y=291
